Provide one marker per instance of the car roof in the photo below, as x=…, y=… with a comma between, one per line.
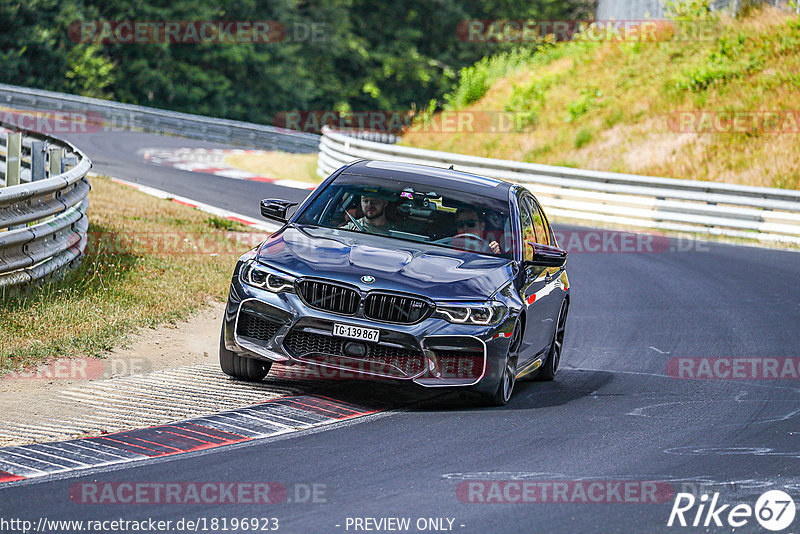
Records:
x=431, y=176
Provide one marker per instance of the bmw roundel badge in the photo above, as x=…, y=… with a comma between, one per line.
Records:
x=367, y=279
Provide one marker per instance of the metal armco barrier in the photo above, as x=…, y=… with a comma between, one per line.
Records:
x=760, y=213
x=655, y=9
x=119, y=116
x=43, y=220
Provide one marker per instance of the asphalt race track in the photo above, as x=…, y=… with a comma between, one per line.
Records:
x=118, y=154
x=616, y=413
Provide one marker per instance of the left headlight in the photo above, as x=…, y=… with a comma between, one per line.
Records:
x=257, y=275
x=485, y=313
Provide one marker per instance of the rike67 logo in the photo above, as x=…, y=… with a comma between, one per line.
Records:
x=774, y=511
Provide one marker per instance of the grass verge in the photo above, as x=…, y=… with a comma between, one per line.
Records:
x=620, y=106
x=278, y=165
x=148, y=262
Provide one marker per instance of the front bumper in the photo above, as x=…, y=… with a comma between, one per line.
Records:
x=432, y=353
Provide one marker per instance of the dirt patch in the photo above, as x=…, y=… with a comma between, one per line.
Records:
x=656, y=150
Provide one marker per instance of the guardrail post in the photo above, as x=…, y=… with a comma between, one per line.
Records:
x=68, y=161
x=55, y=161
x=38, y=160
x=56, y=167
x=13, y=157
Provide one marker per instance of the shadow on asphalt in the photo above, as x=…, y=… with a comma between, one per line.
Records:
x=570, y=385
x=368, y=393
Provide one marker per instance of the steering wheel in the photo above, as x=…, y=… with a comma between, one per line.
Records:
x=481, y=241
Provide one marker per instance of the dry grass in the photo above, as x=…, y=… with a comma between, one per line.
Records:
x=149, y=262
x=607, y=106
x=279, y=165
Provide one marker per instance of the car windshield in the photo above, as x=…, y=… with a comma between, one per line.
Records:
x=412, y=211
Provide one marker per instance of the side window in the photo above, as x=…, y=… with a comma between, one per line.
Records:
x=528, y=232
x=539, y=223
x=550, y=234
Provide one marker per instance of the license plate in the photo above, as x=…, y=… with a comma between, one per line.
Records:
x=356, y=332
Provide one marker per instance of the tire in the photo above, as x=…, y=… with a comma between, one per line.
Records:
x=505, y=388
x=553, y=360
x=240, y=367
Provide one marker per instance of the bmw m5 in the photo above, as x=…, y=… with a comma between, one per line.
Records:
x=405, y=272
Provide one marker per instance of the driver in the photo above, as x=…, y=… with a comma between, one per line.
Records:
x=469, y=221
x=374, y=220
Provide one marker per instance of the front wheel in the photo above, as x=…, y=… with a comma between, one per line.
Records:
x=232, y=364
x=553, y=360
x=506, y=386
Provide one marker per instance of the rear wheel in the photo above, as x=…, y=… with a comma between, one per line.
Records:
x=553, y=360
x=232, y=364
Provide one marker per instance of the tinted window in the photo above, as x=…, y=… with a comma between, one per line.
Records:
x=551, y=236
x=406, y=210
x=539, y=222
x=528, y=232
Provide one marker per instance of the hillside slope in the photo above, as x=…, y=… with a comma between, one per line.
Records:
x=655, y=108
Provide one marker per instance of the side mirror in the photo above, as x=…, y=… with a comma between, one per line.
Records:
x=546, y=255
x=275, y=209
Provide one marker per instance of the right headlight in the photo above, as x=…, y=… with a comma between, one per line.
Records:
x=256, y=275
x=484, y=313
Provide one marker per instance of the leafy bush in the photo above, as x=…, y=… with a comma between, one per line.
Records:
x=585, y=102
x=688, y=9
x=527, y=102
x=475, y=80
x=584, y=137
x=726, y=62
x=222, y=224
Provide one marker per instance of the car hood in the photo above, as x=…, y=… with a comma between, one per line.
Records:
x=397, y=265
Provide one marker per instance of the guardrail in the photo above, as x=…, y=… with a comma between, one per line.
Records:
x=130, y=117
x=43, y=202
x=655, y=9
x=760, y=213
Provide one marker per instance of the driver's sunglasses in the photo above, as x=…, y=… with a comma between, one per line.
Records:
x=467, y=224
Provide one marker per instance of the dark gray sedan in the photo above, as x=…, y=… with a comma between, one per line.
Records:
x=403, y=272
